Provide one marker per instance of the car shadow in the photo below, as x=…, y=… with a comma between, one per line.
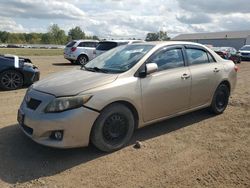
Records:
x=22, y=160
x=64, y=64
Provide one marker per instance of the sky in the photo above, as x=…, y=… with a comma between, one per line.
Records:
x=125, y=18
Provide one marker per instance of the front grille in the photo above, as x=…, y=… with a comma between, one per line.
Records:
x=244, y=53
x=33, y=103
x=27, y=129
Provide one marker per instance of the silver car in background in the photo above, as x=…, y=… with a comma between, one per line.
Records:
x=123, y=89
x=80, y=51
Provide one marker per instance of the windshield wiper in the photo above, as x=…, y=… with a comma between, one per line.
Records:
x=94, y=69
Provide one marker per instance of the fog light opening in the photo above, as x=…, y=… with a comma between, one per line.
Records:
x=57, y=135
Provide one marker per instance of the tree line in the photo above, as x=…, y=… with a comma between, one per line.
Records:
x=56, y=35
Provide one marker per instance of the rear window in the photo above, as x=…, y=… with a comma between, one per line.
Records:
x=106, y=45
x=71, y=44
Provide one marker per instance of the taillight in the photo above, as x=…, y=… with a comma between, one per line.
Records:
x=236, y=68
x=73, y=49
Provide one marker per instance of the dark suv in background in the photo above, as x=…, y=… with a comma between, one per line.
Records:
x=104, y=46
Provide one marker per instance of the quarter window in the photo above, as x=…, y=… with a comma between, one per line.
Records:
x=197, y=56
x=168, y=59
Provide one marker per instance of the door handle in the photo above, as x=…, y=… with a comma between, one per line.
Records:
x=185, y=76
x=216, y=70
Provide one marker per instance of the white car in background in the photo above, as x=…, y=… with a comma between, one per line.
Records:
x=245, y=52
x=106, y=45
x=80, y=51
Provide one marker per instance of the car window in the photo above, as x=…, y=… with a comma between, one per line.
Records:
x=87, y=44
x=106, y=45
x=119, y=59
x=167, y=59
x=197, y=56
x=70, y=44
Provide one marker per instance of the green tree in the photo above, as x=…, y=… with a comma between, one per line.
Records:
x=4, y=36
x=57, y=35
x=158, y=36
x=76, y=33
x=152, y=37
x=46, y=38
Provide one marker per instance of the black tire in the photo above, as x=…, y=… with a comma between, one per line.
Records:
x=113, y=128
x=73, y=62
x=220, y=99
x=82, y=60
x=11, y=80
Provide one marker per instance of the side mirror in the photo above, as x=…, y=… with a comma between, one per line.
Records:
x=151, y=68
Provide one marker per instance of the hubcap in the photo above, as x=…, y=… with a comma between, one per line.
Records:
x=115, y=128
x=11, y=80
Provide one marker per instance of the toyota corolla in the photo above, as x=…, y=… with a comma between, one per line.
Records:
x=124, y=89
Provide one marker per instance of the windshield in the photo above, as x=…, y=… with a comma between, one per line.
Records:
x=119, y=59
x=247, y=48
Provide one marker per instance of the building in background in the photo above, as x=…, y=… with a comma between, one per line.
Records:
x=235, y=39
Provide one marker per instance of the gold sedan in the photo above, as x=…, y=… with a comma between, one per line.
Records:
x=126, y=88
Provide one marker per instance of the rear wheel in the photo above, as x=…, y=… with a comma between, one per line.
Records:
x=220, y=99
x=82, y=60
x=113, y=128
x=11, y=80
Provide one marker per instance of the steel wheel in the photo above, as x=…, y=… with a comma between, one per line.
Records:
x=220, y=99
x=10, y=80
x=115, y=128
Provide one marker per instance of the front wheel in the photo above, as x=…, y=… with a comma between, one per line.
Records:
x=220, y=99
x=113, y=129
x=11, y=80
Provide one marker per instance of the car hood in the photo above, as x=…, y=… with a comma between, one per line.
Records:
x=72, y=82
x=244, y=51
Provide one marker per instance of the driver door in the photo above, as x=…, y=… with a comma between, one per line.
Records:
x=167, y=91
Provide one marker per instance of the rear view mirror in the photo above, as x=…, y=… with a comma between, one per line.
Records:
x=151, y=68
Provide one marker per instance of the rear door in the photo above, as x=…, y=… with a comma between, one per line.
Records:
x=167, y=91
x=205, y=72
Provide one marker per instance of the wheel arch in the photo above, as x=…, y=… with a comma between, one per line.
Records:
x=227, y=83
x=130, y=106
x=83, y=54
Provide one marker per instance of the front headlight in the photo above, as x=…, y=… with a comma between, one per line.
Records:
x=66, y=103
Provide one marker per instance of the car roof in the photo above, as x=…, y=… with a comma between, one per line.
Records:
x=168, y=43
x=81, y=40
x=122, y=41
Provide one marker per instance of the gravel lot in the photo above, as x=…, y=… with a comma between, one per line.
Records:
x=194, y=150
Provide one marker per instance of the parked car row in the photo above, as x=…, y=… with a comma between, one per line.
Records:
x=229, y=53
x=82, y=51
